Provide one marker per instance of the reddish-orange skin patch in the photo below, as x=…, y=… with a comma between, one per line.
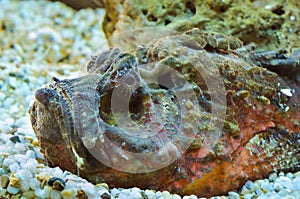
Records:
x=260, y=133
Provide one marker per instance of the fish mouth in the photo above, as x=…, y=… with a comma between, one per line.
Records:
x=56, y=105
x=52, y=122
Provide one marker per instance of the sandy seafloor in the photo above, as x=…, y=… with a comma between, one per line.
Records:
x=41, y=39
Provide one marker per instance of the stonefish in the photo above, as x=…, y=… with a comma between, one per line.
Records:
x=191, y=113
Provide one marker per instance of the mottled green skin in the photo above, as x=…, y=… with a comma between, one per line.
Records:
x=275, y=27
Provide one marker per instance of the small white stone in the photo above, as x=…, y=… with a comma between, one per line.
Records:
x=175, y=196
x=123, y=195
x=9, y=121
x=7, y=103
x=150, y=194
x=259, y=192
x=13, y=82
x=34, y=184
x=47, y=191
x=296, y=183
x=12, y=190
x=249, y=184
x=272, y=176
x=135, y=194
x=289, y=175
x=268, y=7
x=114, y=192
x=44, y=33
x=158, y=194
x=57, y=172
x=88, y=188
x=2, y=171
x=21, y=121
x=40, y=193
x=190, y=197
x=14, y=167
x=248, y=196
x=287, y=91
x=292, y=18
x=277, y=186
x=20, y=158
x=284, y=192
x=265, y=184
x=30, y=155
x=24, y=176
x=54, y=194
x=295, y=194
x=165, y=195
x=125, y=191
x=233, y=195
x=21, y=147
x=4, y=127
x=7, y=161
x=2, y=96
x=245, y=190
x=38, y=154
x=284, y=181
x=69, y=193
x=101, y=190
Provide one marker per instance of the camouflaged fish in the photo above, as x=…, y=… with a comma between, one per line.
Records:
x=203, y=114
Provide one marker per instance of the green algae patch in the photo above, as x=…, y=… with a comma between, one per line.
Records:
x=270, y=25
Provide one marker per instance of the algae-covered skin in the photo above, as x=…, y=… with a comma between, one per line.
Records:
x=270, y=24
x=170, y=87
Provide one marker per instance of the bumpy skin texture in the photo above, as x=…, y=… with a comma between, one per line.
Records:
x=270, y=24
x=260, y=135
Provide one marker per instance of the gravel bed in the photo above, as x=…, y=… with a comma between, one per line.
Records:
x=41, y=39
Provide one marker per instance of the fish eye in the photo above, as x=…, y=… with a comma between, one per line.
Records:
x=42, y=96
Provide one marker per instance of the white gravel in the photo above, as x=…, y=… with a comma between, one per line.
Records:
x=42, y=39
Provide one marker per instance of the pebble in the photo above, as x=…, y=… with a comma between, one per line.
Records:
x=135, y=193
x=69, y=193
x=272, y=176
x=57, y=183
x=2, y=96
x=42, y=193
x=289, y=175
x=175, y=196
x=285, y=182
x=4, y=181
x=277, y=186
x=249, y=196
x=259, y=192
x=14, y=167
x=150, y=194
x=12, y=190
x=249, y=184
x=104, y=185
x=55, y=194
x=34, y=183
x=115, y=192
x=14, y=181
x=190, y=197
x=245, y=190
x=165, y=195
x=29, y=195
x=105, y=196
x=81, y=194
x=296, y=183
x=233, y=195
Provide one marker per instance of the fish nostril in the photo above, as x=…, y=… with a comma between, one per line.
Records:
x=42, y=96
